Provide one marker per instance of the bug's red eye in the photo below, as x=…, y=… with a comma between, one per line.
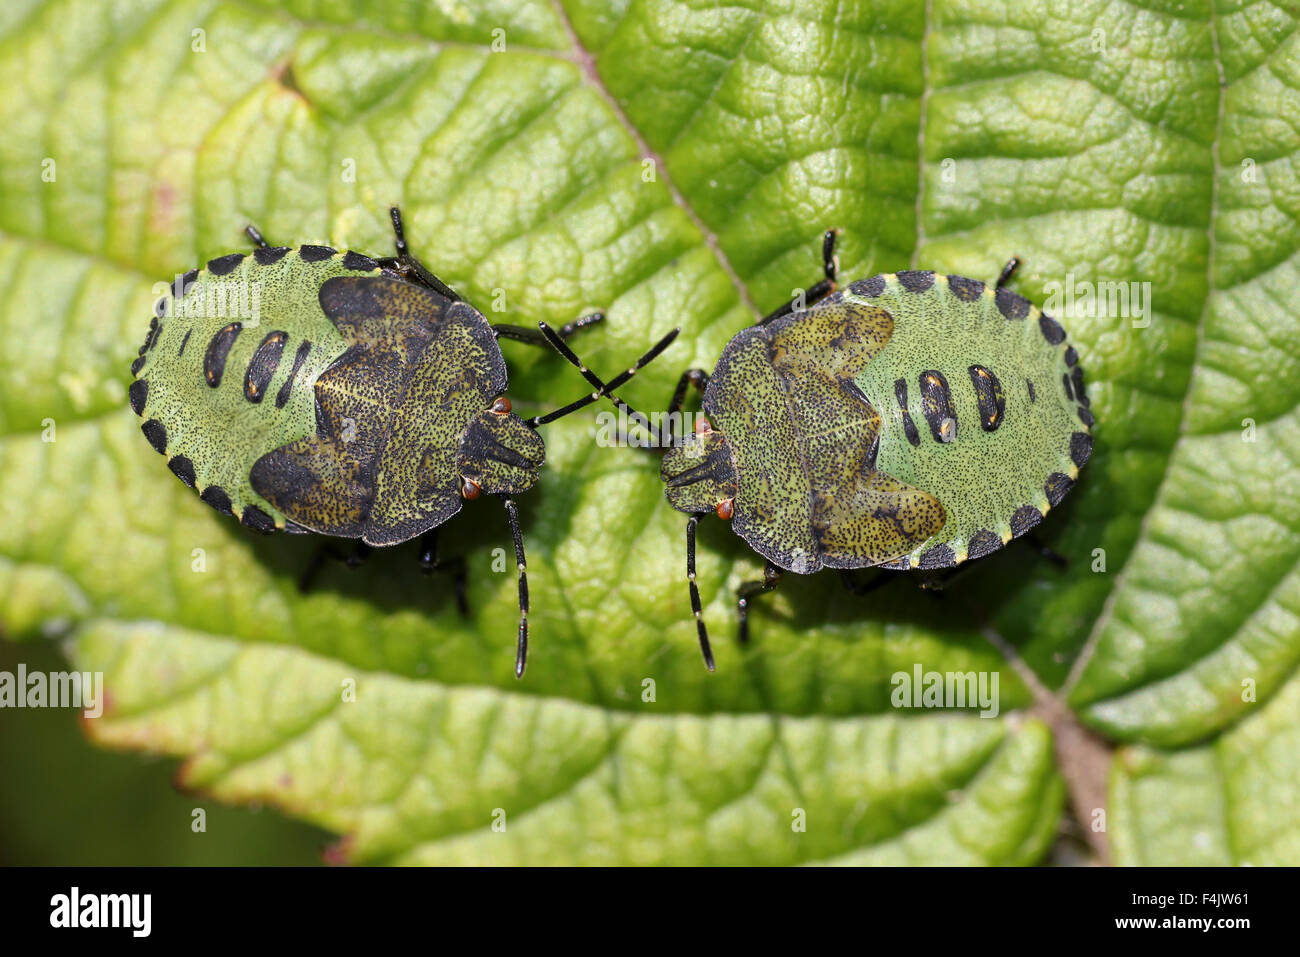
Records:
x=470, y=489
x=703, y=427
x=501, y=405
x=726, y=509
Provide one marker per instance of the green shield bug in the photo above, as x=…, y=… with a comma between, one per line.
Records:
x=319, y=391
x=909, y=421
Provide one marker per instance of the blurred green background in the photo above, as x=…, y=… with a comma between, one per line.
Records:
x=125, y=810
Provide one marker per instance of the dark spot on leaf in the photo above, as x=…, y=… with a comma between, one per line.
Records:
x=286, y=78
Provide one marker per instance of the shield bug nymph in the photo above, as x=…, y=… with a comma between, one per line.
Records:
x=912, y=420
x=361, y=398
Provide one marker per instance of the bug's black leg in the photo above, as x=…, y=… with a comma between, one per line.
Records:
x=407, y=266
x=820, y=289
x=771, y=578
x=535, y=337
x=856, y=587
x=1055, y=557
x=695, y=592
x=602, y=388
x=1008, y=271
x=667, y=436
x=308, y=576
x=455, y=567
x=691, y=377
x=353, y=559
x=521, y=647
x=936, y=580
x=252, y=233
x=675, y=423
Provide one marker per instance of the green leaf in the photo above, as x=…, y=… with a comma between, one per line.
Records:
x=673, y=164
x=1232, y=800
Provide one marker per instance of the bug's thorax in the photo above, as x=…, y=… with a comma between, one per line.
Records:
x=701, y=473
x=499, y=452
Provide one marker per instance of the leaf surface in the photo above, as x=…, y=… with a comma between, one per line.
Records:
x=674, y=164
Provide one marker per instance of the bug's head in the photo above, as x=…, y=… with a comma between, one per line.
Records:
x=700, y=473
x=499, y=452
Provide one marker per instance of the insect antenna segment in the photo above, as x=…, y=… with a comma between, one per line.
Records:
x=603, y=389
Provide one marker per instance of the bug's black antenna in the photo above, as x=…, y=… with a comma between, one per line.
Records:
x=521, y=649
x=602, y=388
x=695, y=592
x=405, y=259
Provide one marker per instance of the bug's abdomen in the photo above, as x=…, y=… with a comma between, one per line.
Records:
x=982, y=405
x=227, y=370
